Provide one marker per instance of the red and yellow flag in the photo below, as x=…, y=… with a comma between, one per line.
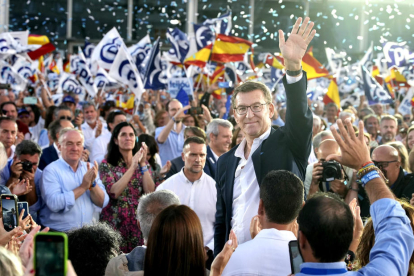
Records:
x=43, y=40
x=312, y=67
x=273, y=61
x=229, y=48
x=332, y=96
x=200, y=58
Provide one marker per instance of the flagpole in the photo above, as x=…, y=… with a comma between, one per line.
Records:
x=200, y=80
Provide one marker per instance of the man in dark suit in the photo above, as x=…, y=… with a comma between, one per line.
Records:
x=51, y=153
x=241, y=170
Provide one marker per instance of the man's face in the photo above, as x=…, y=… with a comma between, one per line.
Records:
x=90, y=114
x=372, y=126
x=253, y=124
x=388, y=164
x=10, y=111
x=219, y=103
x=162, y=121
x=377, y=109
x=25, y=118
x=34, y=159
x=222, y=141
x=189, y=121
x=71, y=105
x=331, y=112
x=194, y=156
x=118, y=119
x=8, y=132
x=388, y=130
x=173, y=108
x=72, y=146
x=64, y=114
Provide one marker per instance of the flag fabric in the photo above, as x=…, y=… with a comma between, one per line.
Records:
x=406, y=104
x=24, y=68
x=46, y=46
x=85, y=77
x=153, y=73
x=332, y=96
x=180, y=43
x=408, y=73
x=229, y=48
x=200, y=58
x=88, y=49
x=374, y=92
x=69, y=83
x=103, y=79
x=125, y=71
x=366, y=61
x=222, y=24
x=273, y=61
x=66, y=66
x=218, y=73
x=397, y=54
x=107, y=49
x=204, y=35
x=312, y=67
x=140, y=50
x=182, y=97
x=9, y=75
x=335, y=60
x=21, y=37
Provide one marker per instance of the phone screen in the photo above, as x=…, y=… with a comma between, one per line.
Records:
x=295, y=257
x=9, y=212
x=29, y=100
x=23, y=206
x=50, y=255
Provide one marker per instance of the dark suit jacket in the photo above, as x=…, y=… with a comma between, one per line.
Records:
x=49, y=155
x=286, y=148
x=210, y=167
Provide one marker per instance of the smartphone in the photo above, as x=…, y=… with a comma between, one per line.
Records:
x=77, y=111
x=50, y=254
x=195, y=111
x=226, y=84
x=10, y=212
x=295, y=257
x=30, y=100
x=23, y=205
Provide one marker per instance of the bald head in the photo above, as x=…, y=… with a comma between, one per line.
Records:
x=385, y=153
x=328, y=147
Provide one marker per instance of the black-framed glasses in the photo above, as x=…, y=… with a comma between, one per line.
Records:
x=257, y=107
x=65, y=118
x=383, y=164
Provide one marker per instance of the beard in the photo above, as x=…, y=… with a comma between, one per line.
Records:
x=91, y=121
x=389, y=136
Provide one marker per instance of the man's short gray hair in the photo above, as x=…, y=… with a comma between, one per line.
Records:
x=213, y=127
x=87, y=105
x=64, y=131
x=150, y=205
x=318, y=138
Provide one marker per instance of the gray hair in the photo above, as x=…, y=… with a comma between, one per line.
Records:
x=88, y=104
x=331, y=105
x=367, y=111
x=28, y=147
x=59, y=108
x=213, y=127
x=344, y=114
x=318, y=138
x=65, y=131
x=150, y=205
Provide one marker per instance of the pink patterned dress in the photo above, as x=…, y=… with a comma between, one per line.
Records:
x=120, y=212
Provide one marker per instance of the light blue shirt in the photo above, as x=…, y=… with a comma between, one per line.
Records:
x=43, y=139
x=394, y=245
x=172, y=147
x=60, y=210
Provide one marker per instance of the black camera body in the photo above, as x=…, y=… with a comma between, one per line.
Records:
x=331, y=170
x=27, y=166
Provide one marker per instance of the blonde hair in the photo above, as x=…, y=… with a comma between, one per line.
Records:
x=9, y=263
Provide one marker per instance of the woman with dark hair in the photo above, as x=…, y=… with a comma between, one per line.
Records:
x=171, y=254
x=35, y=122
x=126, y=177
x=238, y=136
x=190, y=120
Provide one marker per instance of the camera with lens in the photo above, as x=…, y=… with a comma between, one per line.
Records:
x=27, y=166
x=331, y=170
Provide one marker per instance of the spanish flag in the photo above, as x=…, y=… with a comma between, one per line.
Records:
x=229, y=48
x=200, y=58
x=313, y=68
x=273, y=61
x=43, y=40
x=218, y=73
x=332, y=96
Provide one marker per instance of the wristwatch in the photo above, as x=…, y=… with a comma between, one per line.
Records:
x=294, y=73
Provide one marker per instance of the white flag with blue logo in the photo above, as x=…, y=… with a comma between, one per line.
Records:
x=140, y=50
x=374, y=92
x=222, y=24
x=398, y=54
x=85, y=76
x=107, y=49
x=102, y=79
x=9, y=75
x=179, y=42
x=69, y=83
x=24, y=68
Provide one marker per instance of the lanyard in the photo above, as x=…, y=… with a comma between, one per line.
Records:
x=323, y=271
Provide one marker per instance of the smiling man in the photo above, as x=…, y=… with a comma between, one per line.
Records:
x=241, y=170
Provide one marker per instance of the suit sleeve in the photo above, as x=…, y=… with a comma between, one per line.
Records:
x=42, y=162
x=220, y=223
x=299, y=119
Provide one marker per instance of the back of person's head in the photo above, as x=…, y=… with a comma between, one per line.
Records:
x=54, y=128
x=367, y=240
x=194, y=131
x=328, y=225
x=9, y=263
x=92, y=247
x=318, y=138
x=150, y=205
x=49, y=115
x=28, y=147
x=282, y=195
x=175, y=244
x=113, y=149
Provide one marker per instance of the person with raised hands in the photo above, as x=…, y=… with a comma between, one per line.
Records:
x=327, y=219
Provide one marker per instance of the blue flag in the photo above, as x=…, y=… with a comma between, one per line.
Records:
x=153, y=73
x=203, y=35
x=180, y=43
x=182, y=97
x=222, y=24
x=374, y=92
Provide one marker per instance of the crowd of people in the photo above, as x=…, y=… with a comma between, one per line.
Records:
x=166, y=192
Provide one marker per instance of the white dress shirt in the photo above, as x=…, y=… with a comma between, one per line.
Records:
x=89, y=134
x=100, y=148
x=201, y=196
x=266, y=254
x=246, y=191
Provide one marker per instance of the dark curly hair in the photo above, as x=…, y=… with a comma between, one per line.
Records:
x=92, y=247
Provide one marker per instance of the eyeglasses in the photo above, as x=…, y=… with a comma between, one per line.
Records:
x=65, y=118
x=241, y=110
x=383, y=164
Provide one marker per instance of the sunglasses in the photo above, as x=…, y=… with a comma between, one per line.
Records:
x=383, y=164
x=65, y=118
